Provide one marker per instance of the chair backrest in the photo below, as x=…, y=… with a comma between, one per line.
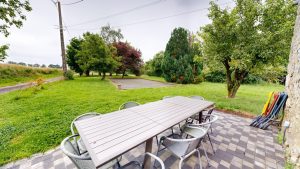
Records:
x=80, y=161
x=186, y=145
x=81, y=117
x=197, y=97
x=210, y=119
x=128, y=105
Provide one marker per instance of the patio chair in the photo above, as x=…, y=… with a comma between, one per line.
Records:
x=197, y=97
x=128, y=105
x=183, y=148
x=81, y=161
x=193, y=129
x=79, y=143
x=137, y=165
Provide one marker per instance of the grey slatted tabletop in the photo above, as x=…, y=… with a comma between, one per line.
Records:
x=110, y=135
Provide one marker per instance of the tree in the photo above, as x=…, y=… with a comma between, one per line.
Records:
x=153, y=66
x=110, y=35
x=178, y=62
x=22, y=63
x=57, y=66
x=95, y=55
x=43, y=66
x=292, y=113
x=239, y=39
x=72, y=50
x=11, y=14
x=12, y=62
x=36, y=65
x=130, y=58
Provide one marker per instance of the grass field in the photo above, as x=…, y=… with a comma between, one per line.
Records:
x=33, y=120
x=14, y=74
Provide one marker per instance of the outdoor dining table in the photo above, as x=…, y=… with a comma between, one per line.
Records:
x=108, y=136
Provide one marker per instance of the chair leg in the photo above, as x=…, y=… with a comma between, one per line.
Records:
x=172, y=132
x=207, y=159
x=180, y=163
x=199, y=157
x=157, y=142
x=211, y=144
x=158, y=147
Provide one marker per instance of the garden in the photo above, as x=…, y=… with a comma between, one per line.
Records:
x=235, y=62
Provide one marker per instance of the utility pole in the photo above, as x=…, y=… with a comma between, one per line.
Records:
x=62, y=43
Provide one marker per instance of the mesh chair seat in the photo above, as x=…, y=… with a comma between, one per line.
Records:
x=195, y=133
x=178, y=149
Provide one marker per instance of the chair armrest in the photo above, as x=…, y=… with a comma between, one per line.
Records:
x=172, y=140
x=156, y=158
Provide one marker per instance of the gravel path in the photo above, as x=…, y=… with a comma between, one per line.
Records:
x=138, y=83
x=26, y=85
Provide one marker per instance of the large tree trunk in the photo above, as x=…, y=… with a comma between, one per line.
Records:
x=292, y=111
x=103, y=75
x=232, y=88
x=233, y=82
x=123, y=74
x=110, y=74
x=87, y=73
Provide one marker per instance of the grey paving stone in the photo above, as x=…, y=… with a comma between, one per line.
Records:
x=234, y=142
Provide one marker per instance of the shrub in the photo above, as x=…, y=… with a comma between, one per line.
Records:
x=215, y=76
x=69, y=75
x=252, y=79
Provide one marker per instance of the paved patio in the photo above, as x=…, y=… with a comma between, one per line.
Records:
x=237, y=145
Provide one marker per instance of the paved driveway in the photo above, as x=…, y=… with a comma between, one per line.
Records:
x=138, y=83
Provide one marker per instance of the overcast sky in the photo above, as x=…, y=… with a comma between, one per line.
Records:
x=146, y=24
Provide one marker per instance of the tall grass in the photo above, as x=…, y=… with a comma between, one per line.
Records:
x=13, y=74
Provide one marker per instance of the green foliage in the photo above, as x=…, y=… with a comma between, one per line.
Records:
x=215, y=76
x=13, y=74
x=72, y=51
x=69, y=75
x=30, y=125
x=95, y=55
x=110, y=35
x=3, y=53
x=11, y=14
x=280, y=137
x=130, y=57
x=289, y=165
x=178, y=62
x=243, y=39
x=153, y=66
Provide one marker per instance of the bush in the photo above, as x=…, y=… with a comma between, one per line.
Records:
x=252, y=79
x=215, y=76
x=69, y=75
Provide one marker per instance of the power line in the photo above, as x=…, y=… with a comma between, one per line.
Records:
x=72, y=3
x=154, y=19
x=118, y=13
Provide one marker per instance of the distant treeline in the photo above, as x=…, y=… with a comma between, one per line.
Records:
x=34, y=65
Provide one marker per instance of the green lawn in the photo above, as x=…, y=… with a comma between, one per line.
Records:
x=33, y=121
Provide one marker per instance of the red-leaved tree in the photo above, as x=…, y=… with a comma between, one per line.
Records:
x=131, y=58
